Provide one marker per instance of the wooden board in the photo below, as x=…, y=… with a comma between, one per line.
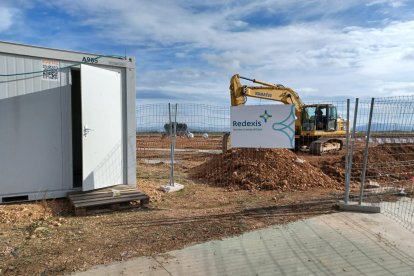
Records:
x=108, y=199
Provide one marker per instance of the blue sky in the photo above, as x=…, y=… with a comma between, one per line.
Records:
x=186, y=51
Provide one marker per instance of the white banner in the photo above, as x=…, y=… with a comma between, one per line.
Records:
x=263, y=126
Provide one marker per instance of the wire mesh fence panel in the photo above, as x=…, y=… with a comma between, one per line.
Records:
x=199, y=135
x=203, y=154
x=359, y=116
x=381, y=151
x=390, y=155
x=199, y=129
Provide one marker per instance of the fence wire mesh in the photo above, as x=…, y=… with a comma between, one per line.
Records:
x=390, y=156
x=199, y=129
x=203, y=154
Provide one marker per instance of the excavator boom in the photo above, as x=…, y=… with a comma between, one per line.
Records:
x=274, y=92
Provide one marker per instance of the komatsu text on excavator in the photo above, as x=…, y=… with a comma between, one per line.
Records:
x=318, y=129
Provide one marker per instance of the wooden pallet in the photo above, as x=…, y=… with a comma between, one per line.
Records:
x=108, y=199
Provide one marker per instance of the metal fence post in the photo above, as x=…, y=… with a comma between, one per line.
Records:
x=364, y=168
x=349, y=169
x=171, y=145
x=173, y=131
x=346, y=198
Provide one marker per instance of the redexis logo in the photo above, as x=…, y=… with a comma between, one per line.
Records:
x=246, y=123
x=255, y=125
x=265, y=116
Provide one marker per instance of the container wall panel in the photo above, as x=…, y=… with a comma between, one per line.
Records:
x=35, y=144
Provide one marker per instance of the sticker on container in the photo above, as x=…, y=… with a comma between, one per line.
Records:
x=50, y=70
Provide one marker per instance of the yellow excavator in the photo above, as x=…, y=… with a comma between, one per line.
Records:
x=318, y=129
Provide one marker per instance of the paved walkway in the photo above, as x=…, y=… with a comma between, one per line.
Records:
x=337, y=244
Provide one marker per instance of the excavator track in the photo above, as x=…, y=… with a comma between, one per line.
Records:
x=325, y=145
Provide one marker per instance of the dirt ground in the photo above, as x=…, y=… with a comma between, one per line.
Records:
x=45, y=238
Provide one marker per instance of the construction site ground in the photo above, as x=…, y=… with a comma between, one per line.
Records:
x=46, y=238
x=332, y=244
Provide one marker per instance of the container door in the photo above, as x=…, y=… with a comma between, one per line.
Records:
x=102, y=128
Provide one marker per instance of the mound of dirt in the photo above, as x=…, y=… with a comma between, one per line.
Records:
x=334, y=170
x=386, y=162
x=262, y=169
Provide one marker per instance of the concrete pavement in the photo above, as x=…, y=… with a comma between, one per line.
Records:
x=335, y=244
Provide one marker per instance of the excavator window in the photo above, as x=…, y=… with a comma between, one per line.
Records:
x=309, y=118
x=332, y=119
x=319, y=117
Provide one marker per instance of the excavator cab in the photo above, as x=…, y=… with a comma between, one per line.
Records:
x=320, y=117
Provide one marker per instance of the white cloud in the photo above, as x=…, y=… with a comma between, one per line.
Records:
x=391, y=3
x=319, y=56
x=396, y=88
x=407, y=54
x=6, y=18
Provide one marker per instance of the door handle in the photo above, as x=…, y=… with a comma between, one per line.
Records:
x=86, y=130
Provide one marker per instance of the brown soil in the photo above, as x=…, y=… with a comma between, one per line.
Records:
x=262, y=169
x=198, y=142
x=332, y=164
x=387, y=163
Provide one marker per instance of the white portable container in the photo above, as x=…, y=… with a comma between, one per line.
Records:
x=67, y=122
